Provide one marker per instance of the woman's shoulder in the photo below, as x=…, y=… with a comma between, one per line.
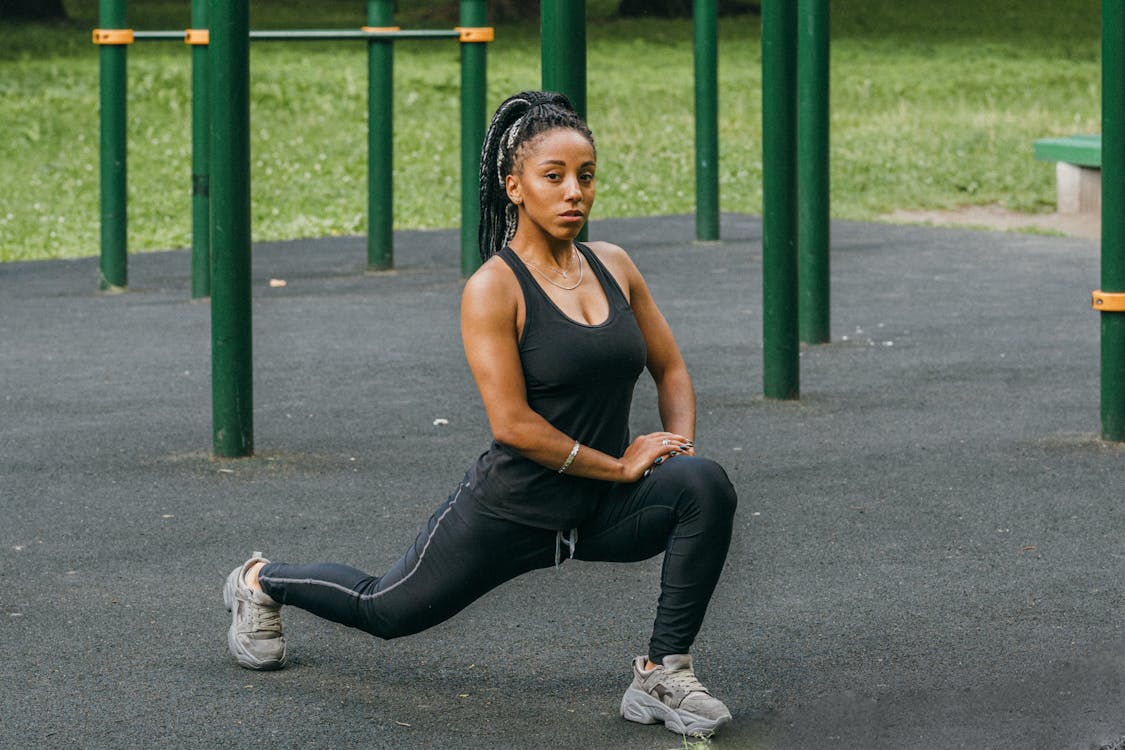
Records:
x=493, y=273
x=607, y=250
x=616, y=260
x=493, y=284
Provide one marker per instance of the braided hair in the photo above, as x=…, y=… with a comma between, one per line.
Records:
x=518, y=120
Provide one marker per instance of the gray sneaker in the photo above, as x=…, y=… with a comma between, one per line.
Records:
x=671, y=694
x=255, y=638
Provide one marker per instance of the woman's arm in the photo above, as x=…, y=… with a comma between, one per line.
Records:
x=674, y=390
x=489, y=314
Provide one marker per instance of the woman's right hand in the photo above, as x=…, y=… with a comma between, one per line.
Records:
x=652, y=449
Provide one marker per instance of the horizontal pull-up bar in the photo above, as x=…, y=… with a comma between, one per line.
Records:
x=201, y=36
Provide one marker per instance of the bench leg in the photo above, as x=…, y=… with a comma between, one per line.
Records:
x=1079, y=189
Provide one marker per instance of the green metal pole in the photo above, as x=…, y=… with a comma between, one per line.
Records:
x=706, y=28
x=231, y=342
x=563, y=53
x=1113, y=218
x=200, y=160
x=781, y=348
x=563, y=49
x=812, y=170
x=113, y=266
x=474, y=70
x=380, y=140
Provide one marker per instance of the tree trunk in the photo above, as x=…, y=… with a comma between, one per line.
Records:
x=32, y=10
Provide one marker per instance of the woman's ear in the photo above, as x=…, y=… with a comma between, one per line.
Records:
x=512, y=186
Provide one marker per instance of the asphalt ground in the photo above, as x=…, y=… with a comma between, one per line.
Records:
x=927, y=554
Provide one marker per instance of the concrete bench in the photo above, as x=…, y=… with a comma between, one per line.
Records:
x=1078, y=171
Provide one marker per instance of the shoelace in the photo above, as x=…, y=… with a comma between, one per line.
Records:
x=265, y=619
x=684, y=679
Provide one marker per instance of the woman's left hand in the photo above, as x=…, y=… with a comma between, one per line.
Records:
x=653, y=449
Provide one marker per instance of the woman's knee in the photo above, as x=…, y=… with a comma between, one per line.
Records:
x=704, y=483
x=720, y=492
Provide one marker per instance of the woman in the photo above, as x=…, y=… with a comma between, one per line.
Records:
x=556, y=334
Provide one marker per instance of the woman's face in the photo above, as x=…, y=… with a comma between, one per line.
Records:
x=553, y=184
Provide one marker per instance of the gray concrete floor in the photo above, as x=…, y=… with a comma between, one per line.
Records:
x=927, y=554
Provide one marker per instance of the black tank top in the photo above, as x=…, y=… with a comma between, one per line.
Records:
x=579, y=378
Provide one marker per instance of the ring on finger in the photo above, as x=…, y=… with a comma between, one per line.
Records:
x=665, y=442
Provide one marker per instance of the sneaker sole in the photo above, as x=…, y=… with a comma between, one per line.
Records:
x=245, y=659
x=642, y=708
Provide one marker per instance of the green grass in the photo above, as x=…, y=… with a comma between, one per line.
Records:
x=934, y=105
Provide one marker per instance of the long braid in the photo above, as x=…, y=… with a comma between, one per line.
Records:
x=517, y=120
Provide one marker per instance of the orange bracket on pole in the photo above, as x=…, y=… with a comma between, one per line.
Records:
x=377, y=29
x=475, y=33
x=197, y=36
x=113, y=36
x=1108, y=301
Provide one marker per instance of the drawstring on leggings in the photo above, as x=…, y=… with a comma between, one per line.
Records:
x=571, y=542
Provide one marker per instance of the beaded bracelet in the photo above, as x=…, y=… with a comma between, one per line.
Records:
x=570, y=459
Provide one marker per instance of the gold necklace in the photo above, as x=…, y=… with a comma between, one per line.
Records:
x=566, y=271
x=552, y=282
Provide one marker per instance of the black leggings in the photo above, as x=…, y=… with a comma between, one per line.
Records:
x=684, y=508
